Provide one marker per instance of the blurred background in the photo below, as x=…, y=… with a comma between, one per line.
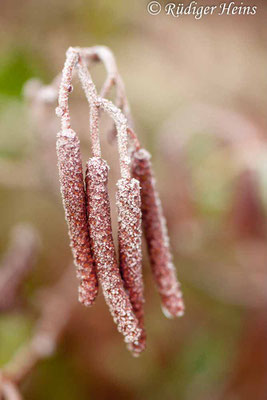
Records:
x=197, y=91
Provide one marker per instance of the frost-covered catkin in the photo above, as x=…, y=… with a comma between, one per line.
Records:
x=130, y=252
x=156, y=236
x=74, y=201
x=99, y=220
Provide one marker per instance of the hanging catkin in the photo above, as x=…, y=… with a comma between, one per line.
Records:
x=98, y=210
x=73, y=195
x=156, y=237
x=88, y=212
x=130, y=252
x=129, y=217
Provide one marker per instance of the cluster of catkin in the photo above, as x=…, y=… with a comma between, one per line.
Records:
x=87, y=207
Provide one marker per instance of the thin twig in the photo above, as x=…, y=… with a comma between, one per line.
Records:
x=55, y=313
x=91, y=95
x=8, y=390
x=65, y=88
x=104, y=54
x=114, y=112
x=17, y=263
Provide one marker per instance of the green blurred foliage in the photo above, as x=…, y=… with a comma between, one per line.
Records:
x=16, y=67
x=15, y=330
x=56, y=379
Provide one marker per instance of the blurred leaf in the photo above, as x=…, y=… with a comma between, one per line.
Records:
x=55, y=378
x=212, y=173
x=14, y=332
x=15, y=137
x=104, y=18
x=16, y=68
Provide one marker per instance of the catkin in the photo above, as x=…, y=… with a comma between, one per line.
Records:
x=99, y=220
x=74, y=201
x=130, y=252
x=156, y=237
